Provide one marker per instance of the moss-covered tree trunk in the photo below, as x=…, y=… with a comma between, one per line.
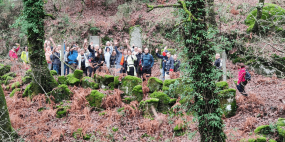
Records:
x=43, y=81
x=7, y=133
x=200, y=54
x=258, y=16
x=211, y=19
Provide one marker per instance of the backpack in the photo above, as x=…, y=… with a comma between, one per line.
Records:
x=247, y=76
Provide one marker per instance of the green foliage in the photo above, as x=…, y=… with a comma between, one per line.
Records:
x=271, y=14
x=78, y=133
x=15, y=85
x=105, y=39
x=264, y=129
x=89, y=82
x=128, y=84
x=61, y=79
x=154, y=84
x=62, y=111
x=11, y=74
x=138, y=93
x=94, y=30
x=95, y=98
x=102, y=113
x=72, y=80
x=4, y=69
x=53, y=72
x=115, y=129
x=145, y=105
x=60, y=93
x=14, y=91
x=78, y=74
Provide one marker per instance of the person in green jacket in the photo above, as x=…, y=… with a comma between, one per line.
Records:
x=25, y=57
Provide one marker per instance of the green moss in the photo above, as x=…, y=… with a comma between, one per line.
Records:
x=62, y=79
x=71, y=80
x=4, y=69
x=180, y=88
x=154, y=84
x=87, y=136
x=26, y=80
x=107, y=79
x=61, y=112
x=264, y=129
x=15, y=85
x=95, y=98
x=222, y=85
x=8, y=79
x=227, y=93
x=163, y=105
x=88, y=82
x=28, y=91
x=281, y=127
x=60, y=93
x=78, y=74
x=261, y=139
x=127, y=100
x=96, y=86
x=5, y=127
x=272, y=140
x=7, y=88
x=14, y=91
x=228, y=101
x=120, y=109
x=145, y=106
x=239, y=60
x=78, y=133
x=41, y=109
x=179, y=130
x=281, y=122
x=271, y=13
x=53, y=72
x=11, y=74
x=138, y=93
x=102, y=113
x=128, y=84
x=172, y=101
x=111, y=85
x=116, y=81
x=251, y=140
x=115, y=129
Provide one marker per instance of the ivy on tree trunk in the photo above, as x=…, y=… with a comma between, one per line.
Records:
x=259, y=7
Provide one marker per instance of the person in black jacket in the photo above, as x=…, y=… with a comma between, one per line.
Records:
x=99, y=59
x=218, y=61
x=93, y=58
x=55, y=57
x=164, y=58
x=138, y=64
x=113, y=59
x=176, y=63
x=169, y=65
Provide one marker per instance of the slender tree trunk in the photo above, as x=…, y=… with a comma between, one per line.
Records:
x=256, y=27
x=200, y=54
x=211, y=19
x=7, y=133
x=43, y=81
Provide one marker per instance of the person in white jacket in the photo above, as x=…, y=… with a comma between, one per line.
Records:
x=130, y=59
x=83, y=62
x=107, y=56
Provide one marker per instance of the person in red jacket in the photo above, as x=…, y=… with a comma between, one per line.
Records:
x=13, y=52
x=241, y=79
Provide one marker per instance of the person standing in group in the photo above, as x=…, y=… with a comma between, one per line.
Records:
x=48, y=53
x=107, y=56
x=147, y=63
x=108, y=45
x=13, y=52
x=66, y=67
x=169, y=65
x=25, y=57
x=176, y=63
x=83, y=62
x=139, y=63
x=72, y=57
x=131, y=59
x=92, y=58
x=99, y=59
x=241, y=83
x=120, y=59
x=218, y=63
x=113, y=59
x=164, y=59
x=55, y=57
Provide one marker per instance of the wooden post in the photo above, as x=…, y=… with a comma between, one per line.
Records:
x=224, y=58
x=62, y=59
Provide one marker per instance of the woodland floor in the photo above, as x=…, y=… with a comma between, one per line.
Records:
x=264, y=105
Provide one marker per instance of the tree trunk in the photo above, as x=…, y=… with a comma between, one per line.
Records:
x=200, y=55
x=43, y=81
x=7, y=133
x=211, y=17
x=256, y=27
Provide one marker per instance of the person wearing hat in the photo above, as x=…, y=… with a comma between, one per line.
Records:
x=25, y=57
x=13, y=52
x=164, y=59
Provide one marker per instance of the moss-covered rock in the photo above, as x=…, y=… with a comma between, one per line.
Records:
x=4, y=69
x=128, y=84
x=222, y=85
x=78, y=74
x=14, y=91
x=138, y=93
x=264, y=129
x=271, y=14
x=281, y=127
x=60, y=93
x=145, y=105
x=228, y=102
x=53, y=72
x=261, y=139
x=180, y=88
x=154, y=84
x=61, y=79
x=116, y=82
x=272, y=140
x=172, y=101
x=15, y=85
x=5, y=120
x=11, y=74
x=95, y=98
x=128, y=100
x=8, y=79
x=89, y=82
x=107, y=79
x=163, y=105
x=26, y=80
x=62, y=111
x=72, y=80
x=179, y=130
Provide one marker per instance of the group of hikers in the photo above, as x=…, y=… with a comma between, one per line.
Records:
x=90, y=58
x=131, y=60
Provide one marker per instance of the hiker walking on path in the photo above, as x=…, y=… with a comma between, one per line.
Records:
x=241, y=83
x=25, y=57
x=163, y=62
x=13, y=52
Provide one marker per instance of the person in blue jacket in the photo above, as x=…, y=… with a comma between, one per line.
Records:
x=147, y=62
x=169, y=65
x=55, y=58
x=164, y=59
x=72, y=57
